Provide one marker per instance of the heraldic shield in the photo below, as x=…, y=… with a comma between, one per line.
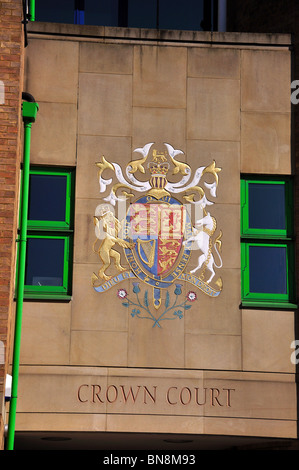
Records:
x=157, y=230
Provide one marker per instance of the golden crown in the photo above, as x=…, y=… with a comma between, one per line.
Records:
x=159, y=164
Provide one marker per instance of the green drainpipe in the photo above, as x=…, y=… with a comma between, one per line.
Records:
x=31, y=15
x=29, y=111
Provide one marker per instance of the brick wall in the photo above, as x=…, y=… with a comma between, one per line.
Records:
x=11, y=73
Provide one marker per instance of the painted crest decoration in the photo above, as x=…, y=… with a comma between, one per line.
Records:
x=155, y=232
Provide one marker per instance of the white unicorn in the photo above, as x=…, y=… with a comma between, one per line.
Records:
x=204, y=229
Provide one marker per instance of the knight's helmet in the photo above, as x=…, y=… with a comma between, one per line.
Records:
x=158, y=168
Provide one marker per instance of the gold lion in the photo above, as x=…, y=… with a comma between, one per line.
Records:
x=111, y=227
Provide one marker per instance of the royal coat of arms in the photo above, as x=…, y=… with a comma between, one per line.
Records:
x=151, y=221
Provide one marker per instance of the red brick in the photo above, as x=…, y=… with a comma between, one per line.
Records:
x=11, y=52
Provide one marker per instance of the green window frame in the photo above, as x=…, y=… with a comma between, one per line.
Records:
x=67, y=223
x=270, y=233
x=60, y=230
x=274, y=241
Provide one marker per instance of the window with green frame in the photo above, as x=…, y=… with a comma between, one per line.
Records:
x=267, y=251
x=50, y=230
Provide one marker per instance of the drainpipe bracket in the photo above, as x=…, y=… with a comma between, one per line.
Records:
x=29, y=111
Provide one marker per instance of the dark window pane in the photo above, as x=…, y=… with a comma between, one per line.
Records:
x=186, y=15
x=101, y=12
x=55, y=11
x=45, y=261
x=267, y=266
x=142, y=14
x=266, y=206
x=47, y=197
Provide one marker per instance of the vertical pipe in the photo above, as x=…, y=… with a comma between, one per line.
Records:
x=31, y=10
x=29, y=113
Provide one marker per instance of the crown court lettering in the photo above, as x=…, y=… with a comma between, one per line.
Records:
x=145, y=395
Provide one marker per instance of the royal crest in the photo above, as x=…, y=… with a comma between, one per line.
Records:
x=157, y=224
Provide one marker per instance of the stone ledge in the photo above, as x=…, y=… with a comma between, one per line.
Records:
x=152, y=35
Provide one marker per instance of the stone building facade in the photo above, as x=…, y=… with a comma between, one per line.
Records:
x=152, y=336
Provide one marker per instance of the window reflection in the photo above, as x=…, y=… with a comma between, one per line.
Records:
x=142, y=14
x=101, y=12
x=161, y=14
x=268, y=267
x=267, y=206
x=55, y=11
x=186, y=15
x=44, y=263
x=47, y=197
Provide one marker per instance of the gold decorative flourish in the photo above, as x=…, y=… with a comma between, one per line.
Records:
x=138, y=164
x=198, y=189
x=212, y=169
x=158, y=193
x=218, y=241
x=180, y=167
x=121, y=185
x=103, y=165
